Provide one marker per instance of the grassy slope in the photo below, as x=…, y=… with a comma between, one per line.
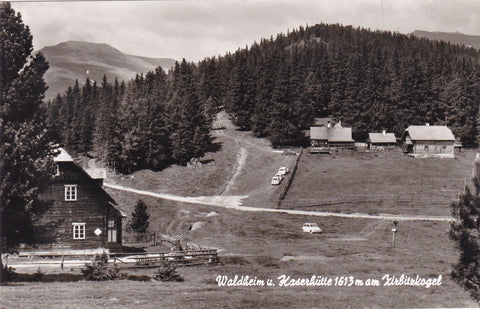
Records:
x=359, y=248
x=204, y=178
x=390, y=179
x=217, y=167
x=255, y=243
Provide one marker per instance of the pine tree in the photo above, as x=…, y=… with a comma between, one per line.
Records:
x=241, y=92
x=464, y=231
x=190, y=134
x=24, y=164
x=140, y=218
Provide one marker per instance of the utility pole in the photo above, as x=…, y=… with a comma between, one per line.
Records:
x=394, y=231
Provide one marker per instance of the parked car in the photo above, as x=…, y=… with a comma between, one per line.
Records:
x=311, y=228
x=283, y=170
x=276, y=180
x=280, y=175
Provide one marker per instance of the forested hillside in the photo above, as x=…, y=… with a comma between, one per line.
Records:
x=150, y=122
x=368, y=80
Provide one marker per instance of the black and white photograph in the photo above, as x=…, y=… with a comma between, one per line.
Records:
x=240, y=154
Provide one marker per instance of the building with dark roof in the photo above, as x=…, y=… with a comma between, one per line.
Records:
x=331, y=137
x=80, y=214
x=429, y=141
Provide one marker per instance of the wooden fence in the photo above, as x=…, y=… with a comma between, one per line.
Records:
x=77, y=260
x=178, y=258
x=290, y=178
x=148, y=238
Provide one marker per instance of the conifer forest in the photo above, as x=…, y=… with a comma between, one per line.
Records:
x=369, y=80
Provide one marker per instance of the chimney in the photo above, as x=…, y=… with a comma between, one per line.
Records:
x=384, y=132
x=427, y=124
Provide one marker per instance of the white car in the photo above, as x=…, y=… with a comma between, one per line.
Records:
x=280, y=175
x=276, y=180
x=283, y=170
x=311, y=228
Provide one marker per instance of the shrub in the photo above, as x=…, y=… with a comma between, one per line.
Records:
x=168, y=272
x=100, y=271
x=38, y=276
x=8, y=274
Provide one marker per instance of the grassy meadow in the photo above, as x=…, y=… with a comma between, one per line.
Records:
x=268, y=245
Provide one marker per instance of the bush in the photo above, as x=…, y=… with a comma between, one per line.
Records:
x=168, y=272
x=38, y=276
x=8, y=274
x=100, y=271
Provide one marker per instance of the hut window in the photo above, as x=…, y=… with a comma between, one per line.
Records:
x=70, y=192
x=78, y=230
x=444, y=147
x=426, y=147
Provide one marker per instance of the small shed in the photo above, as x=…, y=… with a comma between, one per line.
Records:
x=81, y=214
x=332, y=137
x=429, y=141
x=382, y=141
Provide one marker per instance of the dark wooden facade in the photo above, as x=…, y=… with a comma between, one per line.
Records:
x=85, y=217
x=327, y=138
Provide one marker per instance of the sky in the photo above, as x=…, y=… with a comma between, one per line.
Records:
x=204, y=28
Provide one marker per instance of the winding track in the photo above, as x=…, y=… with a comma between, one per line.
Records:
x=224, y=128
x=235, y=202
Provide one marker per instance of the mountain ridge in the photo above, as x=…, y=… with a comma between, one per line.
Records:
x=452, y=37
x=80, y=60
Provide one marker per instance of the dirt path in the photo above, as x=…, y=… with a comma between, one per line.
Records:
x=255, y=185
x=235, y=202
x=215, y=200
x=224, y=127
x=256, y=163
x=242, y=158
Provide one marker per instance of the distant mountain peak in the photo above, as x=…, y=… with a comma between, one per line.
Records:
x=71, y=60
x=452, y=37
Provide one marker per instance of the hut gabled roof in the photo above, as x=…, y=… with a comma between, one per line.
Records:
x=331, y=134
x=385, y=138
x=62, y=156
x=430, y=133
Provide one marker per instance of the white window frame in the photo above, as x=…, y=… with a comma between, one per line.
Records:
x=57, y=173
x=79, y=230
x=70, y=193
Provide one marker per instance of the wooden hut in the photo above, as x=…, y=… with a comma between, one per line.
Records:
x=429, y=141
x=331, y=137
x=81, y=215
x=381, y=141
